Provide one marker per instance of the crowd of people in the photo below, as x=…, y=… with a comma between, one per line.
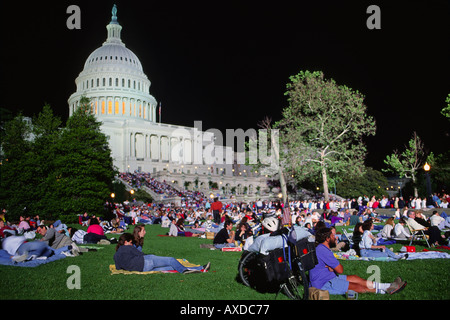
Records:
x=234, y=224
x=140, y=179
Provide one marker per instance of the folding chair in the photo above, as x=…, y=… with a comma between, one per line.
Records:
x=417, y=235
x=348, y=236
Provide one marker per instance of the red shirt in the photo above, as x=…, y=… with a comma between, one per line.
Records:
x=95, y=228
x=217, y=206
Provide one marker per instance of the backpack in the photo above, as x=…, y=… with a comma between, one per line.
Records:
x=272, y=270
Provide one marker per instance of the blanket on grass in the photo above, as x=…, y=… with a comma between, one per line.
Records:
x=184, y=262
x=5, y=259
x=411, y=256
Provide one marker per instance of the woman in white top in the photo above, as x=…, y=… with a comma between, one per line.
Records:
x=386, y=232
x=368, y=247
x=400, y=231
x=417, y=203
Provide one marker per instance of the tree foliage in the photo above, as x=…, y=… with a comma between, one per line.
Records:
x=407, y=163
x=53, y=170
x=446, y=110
x=371, y=183
x=322, y=128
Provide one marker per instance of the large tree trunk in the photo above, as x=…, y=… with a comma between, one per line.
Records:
x=325, y=184
x=275, y=148
x=416, y=193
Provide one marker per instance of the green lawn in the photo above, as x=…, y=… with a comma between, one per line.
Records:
x=427, y=279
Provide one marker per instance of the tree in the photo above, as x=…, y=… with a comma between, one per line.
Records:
x=269, y=136
x=440, y=170
x=322, y=129
x=83, y=165
x=446, y=110
x=46, y=129
x=17, y=168
x=55, y=171
x=407, y=163
x=372, y=183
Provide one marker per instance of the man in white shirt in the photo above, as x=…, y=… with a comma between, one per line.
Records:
x=433, y=231
x=413, y=223
x=438, y=221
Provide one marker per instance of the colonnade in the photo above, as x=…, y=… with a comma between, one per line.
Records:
x=121, y=106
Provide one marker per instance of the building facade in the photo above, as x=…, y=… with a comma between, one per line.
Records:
x=119, y=93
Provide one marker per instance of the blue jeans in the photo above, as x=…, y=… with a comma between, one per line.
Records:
x=376, y=253
x=157, y=263
x=37, y=248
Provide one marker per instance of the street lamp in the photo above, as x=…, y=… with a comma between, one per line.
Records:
x=427, y=168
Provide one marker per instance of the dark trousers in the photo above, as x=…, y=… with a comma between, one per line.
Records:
x=216, y=216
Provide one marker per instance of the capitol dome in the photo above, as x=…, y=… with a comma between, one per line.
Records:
x=114, y=81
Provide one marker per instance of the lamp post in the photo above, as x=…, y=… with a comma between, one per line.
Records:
x=427, y=168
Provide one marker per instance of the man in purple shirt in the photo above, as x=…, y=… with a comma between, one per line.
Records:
x=327, y=274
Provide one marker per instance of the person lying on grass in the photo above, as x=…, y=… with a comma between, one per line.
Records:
x=129, y=258
x=327, y=274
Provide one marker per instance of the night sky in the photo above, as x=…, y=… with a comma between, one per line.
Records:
x=227, y=63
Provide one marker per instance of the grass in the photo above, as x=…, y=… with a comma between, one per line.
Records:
x=427, y=279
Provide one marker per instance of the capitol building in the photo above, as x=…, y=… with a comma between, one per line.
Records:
x=114, y=81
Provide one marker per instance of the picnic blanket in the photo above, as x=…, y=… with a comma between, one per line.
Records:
x=184, y=262
x=5, y=259
x=351, y=255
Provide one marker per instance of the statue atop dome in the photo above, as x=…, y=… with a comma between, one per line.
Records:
x=114, y=14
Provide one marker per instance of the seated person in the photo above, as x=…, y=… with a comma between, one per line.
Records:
x=400, y=232
x=328, y=273
x=354, y=218
x=439, y=221
x=433, y=232
x=357, y=237
x=368, y=245
x=241, y=233
x=54, y=238
x=225, y=237
x=387, y=231
x=95, y=232
x=5, y=230
x=128, y=257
